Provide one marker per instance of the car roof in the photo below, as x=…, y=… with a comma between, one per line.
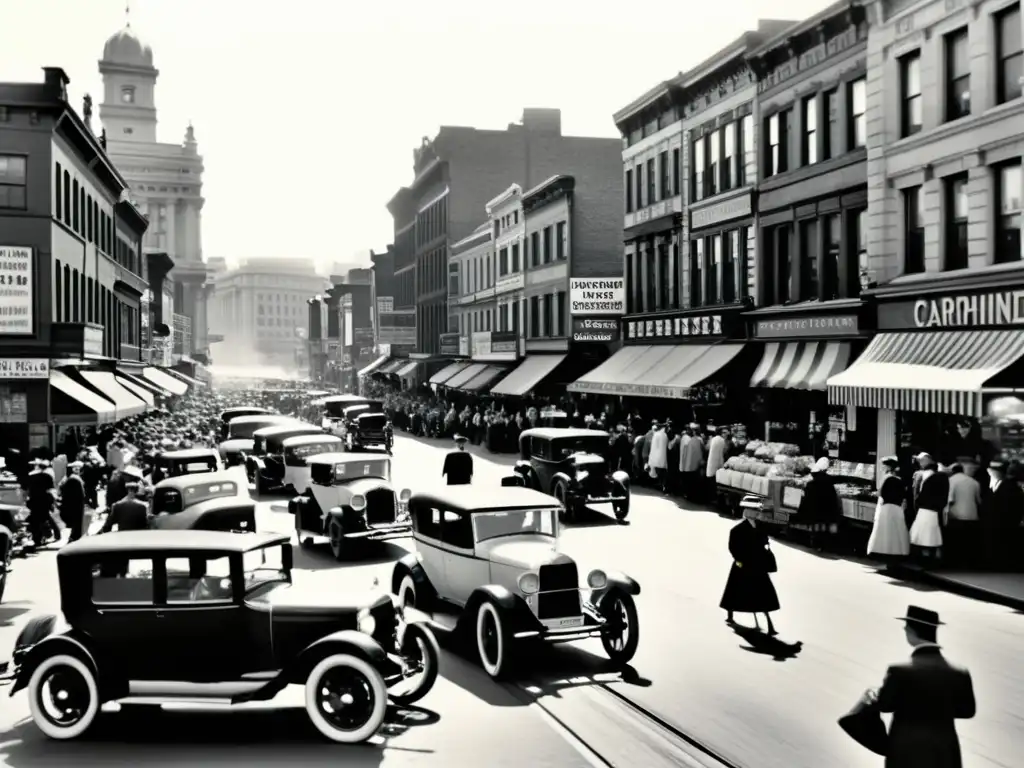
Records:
x=240, y=408
x=345, y=458
x=263, y=417
x=280, y=429
x=550, y=433
x=480, y=498
x=290, y=442
x=346, y=399
x=189, y=453
x=170, y=541
x=205, y=478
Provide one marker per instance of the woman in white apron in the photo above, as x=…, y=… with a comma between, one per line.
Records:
x=932, y=498
x=889, y=538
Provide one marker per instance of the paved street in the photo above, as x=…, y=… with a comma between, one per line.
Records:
x=758, y=705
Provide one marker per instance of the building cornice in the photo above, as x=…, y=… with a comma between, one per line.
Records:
x=513, y=193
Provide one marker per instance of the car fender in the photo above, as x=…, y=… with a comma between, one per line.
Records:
x=615, y=580
x=563, y=477
x=410, y=564
x=34, y=653
x=511, y=606
x=522, y=467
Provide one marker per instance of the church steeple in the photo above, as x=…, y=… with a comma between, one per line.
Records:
x=128, y=110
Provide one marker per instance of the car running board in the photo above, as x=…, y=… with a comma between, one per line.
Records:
x=174, y=690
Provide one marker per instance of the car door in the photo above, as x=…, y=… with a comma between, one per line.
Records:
x=426, y=521
x=203, y=634
x=464, y=572
x=541, y=462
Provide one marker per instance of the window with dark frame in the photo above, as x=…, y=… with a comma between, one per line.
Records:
x=859, y=242
x=911, y=100
x=629, y=191
x=503, y=262
x=652, y=182
x=697, y=191
x=58, y=198
x=958, y=75
x=784, y=263
x=776, y=156
x=833, y=130
x=696, y=271
x=560, y=249
x=713, y=150
x=664, y=275
x=666, y=190
x=913, y=231
x=810, y=285
x=833, y=231
x=514, y=266
x=1010, y=198
x=534, y=249
x=13, y=182
x=534, y=317
x=638, y=178
x=547, y=244
x=809, y=144
x=712, y=269
x=730, y=250
x=956, y=204
x=858, y=101
x=548, y=324
x=675, y=172
x=1009, y=54
x=560, y=305
x=748, y=154
x=730, y=155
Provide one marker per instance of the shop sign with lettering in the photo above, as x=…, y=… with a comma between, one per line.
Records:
x=641, y=390
x=597, y=296
x=716, y=213
x=24, y=368
x=17, y=276
x=818, y=325
x=385, y=303
x=509, y=283
x=674, y=328
x=993, y=309
x=449, y=343
x=601, y=329
x=503, y=342
x=481, y=343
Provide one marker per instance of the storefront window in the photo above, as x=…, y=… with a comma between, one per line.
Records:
x=833, y=238
x=809, y=260
x=696, y=271
x=1009, y=192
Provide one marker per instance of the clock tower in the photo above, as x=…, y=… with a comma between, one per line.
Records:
x=128, y=111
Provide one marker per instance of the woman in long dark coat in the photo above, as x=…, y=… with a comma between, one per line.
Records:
x=749, y=588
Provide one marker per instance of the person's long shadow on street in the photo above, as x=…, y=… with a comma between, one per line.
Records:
x=765, y=645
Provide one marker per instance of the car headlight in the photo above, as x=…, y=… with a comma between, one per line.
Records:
x=405, y=494
x=357, y=502
x=365, y=623
x=582, y=475
x=597, y=579
x=529, y=583
x=622, y=478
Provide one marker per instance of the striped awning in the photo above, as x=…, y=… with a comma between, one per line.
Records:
x=927, y=371
x=657, y=370
x=801, y=364
x=407, y=369
x=393, y=365
x=528, y=375
x=374, y=366
x=467, y=373
x=483, y=380
x=447, y=372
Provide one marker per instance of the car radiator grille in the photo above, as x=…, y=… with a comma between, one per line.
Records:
x=380, y=506
x=559, y=591
x=385, y=618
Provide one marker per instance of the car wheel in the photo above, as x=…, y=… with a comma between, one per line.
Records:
x=346, y=699
x=63, y=697
x=493, y=642
x=409, y=596
x=336, y=534
x=305, y=541
x=567, y=513
x=621, y=510
x=623, y=636
x=420, y=650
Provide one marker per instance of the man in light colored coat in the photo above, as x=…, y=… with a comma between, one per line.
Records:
x=658, y=459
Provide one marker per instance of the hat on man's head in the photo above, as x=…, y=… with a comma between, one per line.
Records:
x=998, y=465
x=459, y=438
x=76, y=464
x=918, y=615
x=890, y=461
x=966, y=460
x=924, y=456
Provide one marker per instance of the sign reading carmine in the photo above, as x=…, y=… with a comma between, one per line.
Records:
x=820, y=325
x=977, y=310
x=597, y=296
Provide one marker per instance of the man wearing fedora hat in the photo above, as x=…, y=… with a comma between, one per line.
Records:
x=925, y=695
x=458, y=465
x=72, y=500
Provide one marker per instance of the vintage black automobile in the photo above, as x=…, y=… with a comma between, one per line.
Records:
x=239, y=439
x=152, y=618
x=215, y=501
x=264, y=464
x=570, y=465
x=350, y=500
x=488, y=568
x=233, y=413
x=365, y=426
x=188, y=461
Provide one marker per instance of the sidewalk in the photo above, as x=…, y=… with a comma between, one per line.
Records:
x=1000, y=588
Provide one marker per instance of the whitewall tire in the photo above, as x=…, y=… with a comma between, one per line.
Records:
x=407, y=597
x=63, y=697
x=346, y=699
x=492, y=642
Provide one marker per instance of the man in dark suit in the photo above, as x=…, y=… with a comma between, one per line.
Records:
x=128, y=514
x=458, y=465
x=925, y=695
x=1001, y=513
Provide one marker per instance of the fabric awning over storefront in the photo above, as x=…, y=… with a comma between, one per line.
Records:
x=528, y=375
x=374, y=365
x=467, y=373
x=483, y=379
x=139, y=391
x=801, y=364
x=165, y=381
x=143, y=383
x=196, y=383
x=407, y=369
x=72, y=403
x=124, y=401
x=930, y=372
x=393, y=366
x=657, y=371
x=448, y=372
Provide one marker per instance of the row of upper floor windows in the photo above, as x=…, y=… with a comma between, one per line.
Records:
x=719, y=158
x=545, y=316
x=482, y=272
x=82, y=299
x=653, y=181
x=432, y=222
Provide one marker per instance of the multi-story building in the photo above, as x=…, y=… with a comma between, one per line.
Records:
x=260, y=308
x=453, y=175
x=471, y=290
x=71, y=261
x=165, y=179
x=383, y=293
x=944, y=131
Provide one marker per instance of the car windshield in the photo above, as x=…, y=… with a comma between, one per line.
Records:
x=351, y=470
x=193, y=494
x=314, y=449
x=336, y=409
x=567, y=446
x=194, y=465
x=259, y=566
x=514, y=522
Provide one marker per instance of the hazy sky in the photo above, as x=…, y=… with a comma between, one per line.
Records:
x=307, y=111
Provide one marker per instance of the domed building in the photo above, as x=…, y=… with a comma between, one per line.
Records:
x=166, y=179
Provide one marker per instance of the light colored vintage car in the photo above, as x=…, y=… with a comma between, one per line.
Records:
x=332, y=411
x=211, y=501
x=349, y=501
x=296, y=453
x=488, y=568
x=239, y=437
x=264, y=463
